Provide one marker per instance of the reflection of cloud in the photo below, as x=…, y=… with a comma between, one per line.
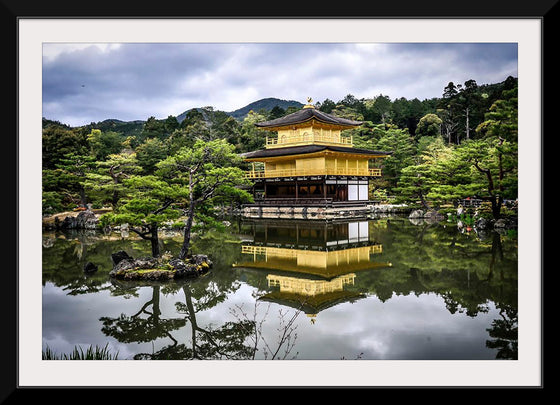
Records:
x=404, y=327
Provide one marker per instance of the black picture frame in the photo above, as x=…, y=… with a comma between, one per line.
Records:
x=12, y=10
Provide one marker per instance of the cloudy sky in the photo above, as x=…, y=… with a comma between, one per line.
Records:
x=84, y=83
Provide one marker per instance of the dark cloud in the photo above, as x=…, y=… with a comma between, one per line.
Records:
x=131, y=81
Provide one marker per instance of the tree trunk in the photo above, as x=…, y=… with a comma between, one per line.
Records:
x=155, y=241
x=115, y=198
x=496, y=206
x=192, y=318
x=187, y=234
x=156, y=311
x=497, y=254
x=83, y=200
x=467, y=124
x=423, y=201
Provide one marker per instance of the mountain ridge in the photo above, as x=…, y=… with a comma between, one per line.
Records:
x=267, y=103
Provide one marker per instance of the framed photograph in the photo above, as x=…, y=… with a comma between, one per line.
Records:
x=386, y=225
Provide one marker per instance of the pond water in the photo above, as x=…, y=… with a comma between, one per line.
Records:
x=384, y=289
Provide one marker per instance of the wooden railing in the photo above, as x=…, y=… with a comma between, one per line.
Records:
x=305, y=139
x=265, y=250
x=260, y=174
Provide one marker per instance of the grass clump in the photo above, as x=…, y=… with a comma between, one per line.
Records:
x=91, y=353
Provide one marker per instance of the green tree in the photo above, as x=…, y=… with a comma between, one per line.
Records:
x=348, y=112
x=180, y=138
x=276, y=112
x=501, y=119
x=327, y=106
x=147, y=206
x=381, y=109
x=470, y=102
x=398, y=141
x=109, y=176
x=150, y=153
x=251, y=137
x=59, y=141
x=170, y=124
x=493, y=164
x=450, y=90
x=451, y=176
x=103, y=144
x=69, y=176
x=415, y=182
x=153, y=128
x=205, y=171
x=429, y=125
x=192, y=116
x=350, y=101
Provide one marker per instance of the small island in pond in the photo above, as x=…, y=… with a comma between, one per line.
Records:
x=155, y=268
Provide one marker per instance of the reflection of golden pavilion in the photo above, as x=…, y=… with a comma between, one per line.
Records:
x=311, y=263
x=326, y=264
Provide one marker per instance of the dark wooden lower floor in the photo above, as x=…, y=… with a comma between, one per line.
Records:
x=312, y=192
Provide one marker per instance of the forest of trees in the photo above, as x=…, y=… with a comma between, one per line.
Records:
x=462, y=144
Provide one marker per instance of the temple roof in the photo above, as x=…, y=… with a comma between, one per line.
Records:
x=306, y=149
x=307, y=114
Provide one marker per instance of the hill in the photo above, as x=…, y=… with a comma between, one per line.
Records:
x=128, y=128
x=239, y=114
x=266, y=104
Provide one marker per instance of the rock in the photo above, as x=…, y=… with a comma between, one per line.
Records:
x=195, y=266
x=48, y=241
x=500, y=223
x=416, y=221
x=182, y=269
x=504, y=224
x=416, y=214
x=483, y=223
x=117, y=257
x=128, y=268
x=84, y=220
x=89, y=267
x=125, y=266
x=433, y=216
x=200, y=259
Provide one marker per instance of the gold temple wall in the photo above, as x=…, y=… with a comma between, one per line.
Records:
x=308, y=287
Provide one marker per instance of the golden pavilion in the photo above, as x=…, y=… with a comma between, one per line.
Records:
x=310, y=164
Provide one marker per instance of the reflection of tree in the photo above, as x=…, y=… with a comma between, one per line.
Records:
x=232, y=340
x=138, y=327
x=504, y=334
x=225, y=342
x=466, y=272
x=286, y=339
x=67, y=252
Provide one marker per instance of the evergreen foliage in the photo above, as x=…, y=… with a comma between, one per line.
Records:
x=463, y=144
